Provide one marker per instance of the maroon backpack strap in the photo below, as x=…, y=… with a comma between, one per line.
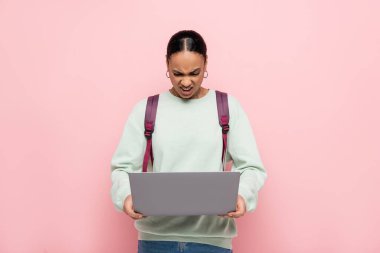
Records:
x=150, y=118
x=224, y=118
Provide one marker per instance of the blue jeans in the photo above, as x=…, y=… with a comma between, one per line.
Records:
x=147, y=246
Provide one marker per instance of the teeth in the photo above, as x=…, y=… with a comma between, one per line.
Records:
x=186, y=89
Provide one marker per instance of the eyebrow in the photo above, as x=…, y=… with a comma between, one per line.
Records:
x=189, y=72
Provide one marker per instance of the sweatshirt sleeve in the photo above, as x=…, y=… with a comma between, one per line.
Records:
x=128, y=156
x=242, y=149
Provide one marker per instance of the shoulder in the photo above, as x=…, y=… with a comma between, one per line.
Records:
x=233, y=101
x=234, y=107
x=139, y=107
x=233, y=104
x=137, y=113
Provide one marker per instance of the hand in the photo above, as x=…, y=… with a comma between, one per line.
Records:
x=240, y=209
x=128, y=209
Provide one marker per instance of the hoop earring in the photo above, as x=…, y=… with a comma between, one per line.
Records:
x=205, y=76
x=167, y=74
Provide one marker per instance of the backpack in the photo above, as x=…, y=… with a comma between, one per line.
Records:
x=150, y=118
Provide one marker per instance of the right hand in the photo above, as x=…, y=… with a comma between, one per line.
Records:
x=128, y=209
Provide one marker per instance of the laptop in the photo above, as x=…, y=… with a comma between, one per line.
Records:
x=184, y=193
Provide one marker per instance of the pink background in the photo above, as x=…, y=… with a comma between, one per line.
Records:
x=306, y=72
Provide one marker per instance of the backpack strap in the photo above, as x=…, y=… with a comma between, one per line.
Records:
x=224, y=118
x=150, y=118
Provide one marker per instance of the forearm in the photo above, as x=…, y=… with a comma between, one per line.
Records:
x=251, y=181
x=120, y=188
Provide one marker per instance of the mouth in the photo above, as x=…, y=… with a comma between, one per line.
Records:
x=186, y=91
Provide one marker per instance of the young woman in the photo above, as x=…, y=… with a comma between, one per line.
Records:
x=187, y=136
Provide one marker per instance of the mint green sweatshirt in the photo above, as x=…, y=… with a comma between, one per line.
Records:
x=188, y=137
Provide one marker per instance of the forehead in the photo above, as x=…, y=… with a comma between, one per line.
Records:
x=186, y=60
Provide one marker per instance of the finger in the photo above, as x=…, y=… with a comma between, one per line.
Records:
x=133, y=214
x=224, y=215
x=237, y=214
x=231, y=214
x=141, y=216
x=137, y=216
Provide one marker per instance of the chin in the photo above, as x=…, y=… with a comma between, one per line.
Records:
x=195, y=91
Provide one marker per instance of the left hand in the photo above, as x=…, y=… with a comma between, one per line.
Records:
x=240, y=209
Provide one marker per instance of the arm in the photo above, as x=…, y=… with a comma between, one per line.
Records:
x=128, y=156
x=242, y=148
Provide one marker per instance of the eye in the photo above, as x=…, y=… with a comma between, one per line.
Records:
x=178, y=74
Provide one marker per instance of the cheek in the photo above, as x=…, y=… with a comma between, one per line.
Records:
x=198, y=80
x=175, y=80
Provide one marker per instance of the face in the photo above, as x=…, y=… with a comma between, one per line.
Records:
x=186, y=70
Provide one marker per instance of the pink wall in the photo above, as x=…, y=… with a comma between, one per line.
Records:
x=307, y=73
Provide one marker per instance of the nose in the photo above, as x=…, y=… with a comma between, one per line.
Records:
x=186, y=82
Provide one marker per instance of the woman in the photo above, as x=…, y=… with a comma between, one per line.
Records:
x=187, y=136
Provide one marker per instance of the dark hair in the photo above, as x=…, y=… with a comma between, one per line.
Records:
x=186, y=40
